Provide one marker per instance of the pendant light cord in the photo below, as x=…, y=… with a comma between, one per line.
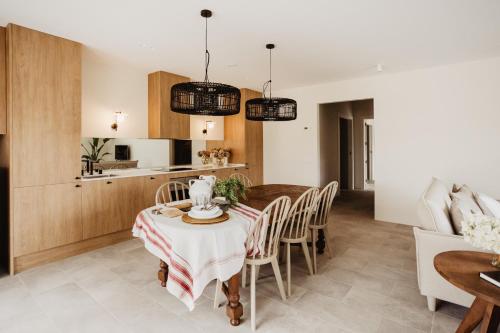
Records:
x=268, y=83
x=207, y=54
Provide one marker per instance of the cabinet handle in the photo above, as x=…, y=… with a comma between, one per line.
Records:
x=152, y=178
x=78, y=177
x=108, y=182
x=236, y=169
x=78, y=185
x=213, y=171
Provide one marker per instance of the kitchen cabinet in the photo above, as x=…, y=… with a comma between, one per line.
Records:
x=151, y=185
x=163, y=123
x=245, y=139
x=46, y=217
x=44, y=80
x=3, y=81
x=111, y=205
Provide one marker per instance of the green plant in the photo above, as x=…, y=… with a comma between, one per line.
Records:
x=95, y=149
x=231, y=188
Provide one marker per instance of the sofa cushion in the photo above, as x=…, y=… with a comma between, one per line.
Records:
x=433, y=208
x=468, y=201
x=489, y=206
x=459, y=210
x=462, y=189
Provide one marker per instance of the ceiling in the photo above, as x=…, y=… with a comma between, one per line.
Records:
x=316, y=40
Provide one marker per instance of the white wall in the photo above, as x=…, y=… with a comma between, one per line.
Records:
x=109, y=85
x=441, y=121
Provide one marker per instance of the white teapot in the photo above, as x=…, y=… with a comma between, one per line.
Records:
x=200, y=190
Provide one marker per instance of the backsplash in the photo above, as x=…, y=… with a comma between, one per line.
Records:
x=148, y=152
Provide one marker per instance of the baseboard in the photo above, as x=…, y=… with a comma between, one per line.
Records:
x=35, y=259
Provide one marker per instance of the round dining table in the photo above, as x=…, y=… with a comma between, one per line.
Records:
x=257, y=197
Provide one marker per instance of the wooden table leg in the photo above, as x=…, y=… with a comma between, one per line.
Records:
x=234, y=309
x=491, y=319
x=163, y=273
x=473, y=317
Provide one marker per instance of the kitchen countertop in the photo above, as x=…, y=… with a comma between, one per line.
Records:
x=141, y=172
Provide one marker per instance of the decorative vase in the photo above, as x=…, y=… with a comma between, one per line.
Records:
x=205, y=160
x=218, y=161
x=226, y=161
x=495, y=261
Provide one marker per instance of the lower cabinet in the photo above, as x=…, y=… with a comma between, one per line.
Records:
x=151, y=185
x=111, y=205
x=46, y=216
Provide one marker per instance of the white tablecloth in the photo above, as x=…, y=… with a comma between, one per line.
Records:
x=196, y=254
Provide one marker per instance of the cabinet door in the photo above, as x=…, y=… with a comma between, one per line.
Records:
x=151, y=185
x=46, y=216
x=44, y=81
x=99, y=208
x=130, y=196
x=163, y=123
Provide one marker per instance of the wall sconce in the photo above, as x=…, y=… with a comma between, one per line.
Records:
x=119, y=118
x=209, y=124
x=206, y=128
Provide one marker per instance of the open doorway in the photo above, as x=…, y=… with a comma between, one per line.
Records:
x=346, y=147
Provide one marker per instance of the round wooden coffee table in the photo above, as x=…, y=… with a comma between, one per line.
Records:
x=461, y=268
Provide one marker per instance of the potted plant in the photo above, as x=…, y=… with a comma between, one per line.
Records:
x=231, y=188
x=205, y=156
x=96, y=147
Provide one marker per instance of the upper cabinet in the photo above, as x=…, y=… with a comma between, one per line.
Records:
x=244, y=138
x=163, y=123
x=44, y=101
x=3, y=82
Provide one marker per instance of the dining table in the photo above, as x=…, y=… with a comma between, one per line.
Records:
x=176, y=264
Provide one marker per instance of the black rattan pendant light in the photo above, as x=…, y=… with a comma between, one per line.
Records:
x=205, y=98
x=270, y=108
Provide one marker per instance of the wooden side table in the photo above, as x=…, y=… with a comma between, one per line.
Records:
x=461, y=268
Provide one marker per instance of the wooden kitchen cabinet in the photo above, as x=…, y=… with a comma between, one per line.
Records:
x=3, y=81
x=44, y=80
x=111, y=205
x=46, y=217
x=163, y=123
x=245, y=139
x=151, y=185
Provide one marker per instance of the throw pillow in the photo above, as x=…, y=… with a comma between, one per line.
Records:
x=489, y=206
x=459, y=210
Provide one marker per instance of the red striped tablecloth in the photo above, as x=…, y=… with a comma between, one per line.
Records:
x=198, y=254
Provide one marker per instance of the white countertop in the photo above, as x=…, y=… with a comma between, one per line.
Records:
x=141, y=172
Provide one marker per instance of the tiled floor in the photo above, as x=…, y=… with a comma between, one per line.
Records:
x=369, y=286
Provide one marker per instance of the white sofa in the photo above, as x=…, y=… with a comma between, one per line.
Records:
x=435, y=236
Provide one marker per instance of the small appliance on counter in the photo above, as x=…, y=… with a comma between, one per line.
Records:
x=122, y=152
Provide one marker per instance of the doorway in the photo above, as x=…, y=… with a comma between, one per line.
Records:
x=346, y=172
x=346, y=145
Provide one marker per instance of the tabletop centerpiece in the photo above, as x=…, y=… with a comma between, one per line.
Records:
x=231, y=189
x=483, y=232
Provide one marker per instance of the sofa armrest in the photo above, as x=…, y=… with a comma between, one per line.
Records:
x=428, y=245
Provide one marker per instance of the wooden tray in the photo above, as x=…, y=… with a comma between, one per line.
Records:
x=188, y=219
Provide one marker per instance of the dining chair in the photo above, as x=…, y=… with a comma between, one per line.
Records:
x=295, y=230
x=266, y=232
x=319, y=221
x=243, y=178
x=173, y=191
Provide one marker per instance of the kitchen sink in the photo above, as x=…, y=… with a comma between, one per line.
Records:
x=98, y=176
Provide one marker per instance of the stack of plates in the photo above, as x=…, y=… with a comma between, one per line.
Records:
x=199, y=212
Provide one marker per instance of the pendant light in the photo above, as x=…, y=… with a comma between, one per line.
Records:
x=205, y=98
x=270, y=108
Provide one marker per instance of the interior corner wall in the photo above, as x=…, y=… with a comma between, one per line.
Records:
x=441, y=121
x=361, y=110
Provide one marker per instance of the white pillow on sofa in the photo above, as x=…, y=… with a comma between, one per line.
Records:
x=489, y=206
